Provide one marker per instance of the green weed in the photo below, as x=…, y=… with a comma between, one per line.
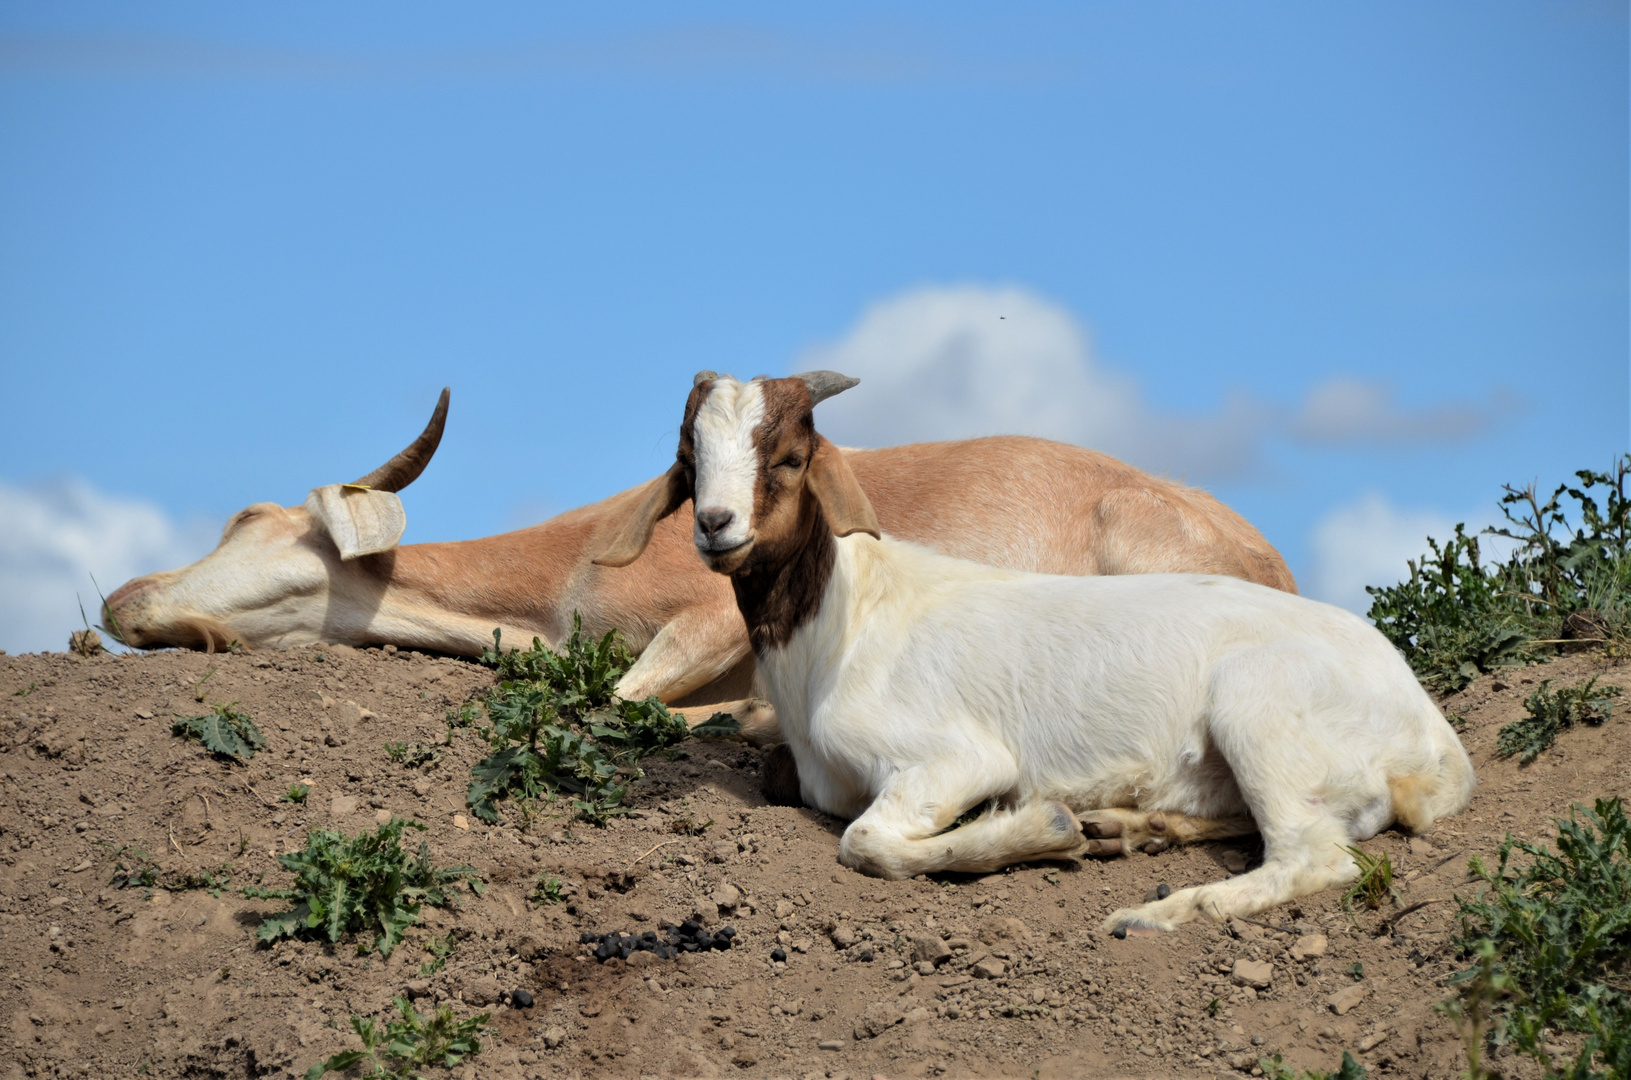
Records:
x=141, y=872
x=224, y=731
x=364, y=883
x=1549, y=713
x=1374, y=886
x=555, y=727
x=24, y=691
x=548, y=890
x=297, y=793
x=440, y=948
x=1274, y=1069
x=413, y=756
x=1552, y=941
x=1456, y=617
x=404, y=1046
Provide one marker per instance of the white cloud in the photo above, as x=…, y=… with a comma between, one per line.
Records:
x=962, y=361
x=1369, y=541
x=54, y=536
x=1348, y=411
x=953, y=362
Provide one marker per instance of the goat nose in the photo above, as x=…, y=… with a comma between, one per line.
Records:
x=713, y=519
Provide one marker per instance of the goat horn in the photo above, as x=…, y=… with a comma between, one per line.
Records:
x=702, y=377
x=405, y=468
x=824, y=384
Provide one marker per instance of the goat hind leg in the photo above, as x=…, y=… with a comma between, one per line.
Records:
x=1119, y=831
x=1304, y=861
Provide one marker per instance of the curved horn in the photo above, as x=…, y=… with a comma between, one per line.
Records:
x=824, y=384
x=702, y=377
x=405, y=468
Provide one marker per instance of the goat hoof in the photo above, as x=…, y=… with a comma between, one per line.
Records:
x=1156, y=846
x=1120, y=933
x=1101, y=827
x=1104, y=847
x=1157, y=822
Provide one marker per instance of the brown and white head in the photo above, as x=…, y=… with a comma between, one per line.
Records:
x=281, y=575
x=760, y=476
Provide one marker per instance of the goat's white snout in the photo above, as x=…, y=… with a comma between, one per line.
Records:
x=727, y=465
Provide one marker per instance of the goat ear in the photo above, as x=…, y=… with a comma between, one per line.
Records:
x=843, y=503
x=663, y=496
x=360, y=520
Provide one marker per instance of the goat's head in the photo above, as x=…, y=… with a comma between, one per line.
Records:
x=759, y=475
x=280, y=575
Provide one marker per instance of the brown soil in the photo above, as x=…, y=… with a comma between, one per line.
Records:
x=98, y=980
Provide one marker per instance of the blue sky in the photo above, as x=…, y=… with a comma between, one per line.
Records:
x=1349, y=266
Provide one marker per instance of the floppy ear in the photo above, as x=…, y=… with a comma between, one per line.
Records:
x=360, y=520
x=663, y=496
x=843, y=503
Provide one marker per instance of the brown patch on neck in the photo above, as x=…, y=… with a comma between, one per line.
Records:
x=779, y=591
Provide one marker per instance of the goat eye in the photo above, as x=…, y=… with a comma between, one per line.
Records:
x=791, y=461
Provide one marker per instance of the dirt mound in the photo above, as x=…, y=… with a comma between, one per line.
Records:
x=1004, y=975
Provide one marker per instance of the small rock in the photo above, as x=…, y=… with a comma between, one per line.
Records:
x=382, y=817
x=877, y=1019
x=1004, y=929
x=529, y=948
x=554, y=1037
x=460, y=821
x=1308, y=947
x=1371, y=1042
x=784, y=908
x=723, y=851
x=843, y=936
x=1345, y=999
x=521, y=999
x=929, y=948
x=418, y=988
x=641, y=958
x=481, y=990
x=829, y=1044
x=989, y=968
x=727, y=897
x=923, y=967
x=1256, y=973
x=1245, y=931
x=918, y=1015
x=141, y=714
x=343, y=805
x=1420, y=846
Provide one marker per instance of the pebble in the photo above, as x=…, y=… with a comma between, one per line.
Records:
x=779, y=955
x=521, y=999
x=1308, y=946
x=829, y=1044
x=554, y=1037
x=1256, y=973
x=1345, y=999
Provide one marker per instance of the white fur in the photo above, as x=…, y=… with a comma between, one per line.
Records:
x=727, y=460
x=927, y=685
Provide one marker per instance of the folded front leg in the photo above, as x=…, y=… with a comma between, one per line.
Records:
x=900, y=833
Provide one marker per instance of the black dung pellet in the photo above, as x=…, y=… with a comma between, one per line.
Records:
x=690, y=926
x=649, y=935
x=1163, y=891
x=587, y=938
x=689, y=946
x=521, y=999
x=729, y=931
x=779, y=955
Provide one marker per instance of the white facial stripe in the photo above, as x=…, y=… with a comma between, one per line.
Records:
x=727, y=463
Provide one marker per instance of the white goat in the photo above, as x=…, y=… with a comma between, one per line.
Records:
x=1163, y=708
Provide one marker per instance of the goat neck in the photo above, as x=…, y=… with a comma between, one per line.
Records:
x=781, y=586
